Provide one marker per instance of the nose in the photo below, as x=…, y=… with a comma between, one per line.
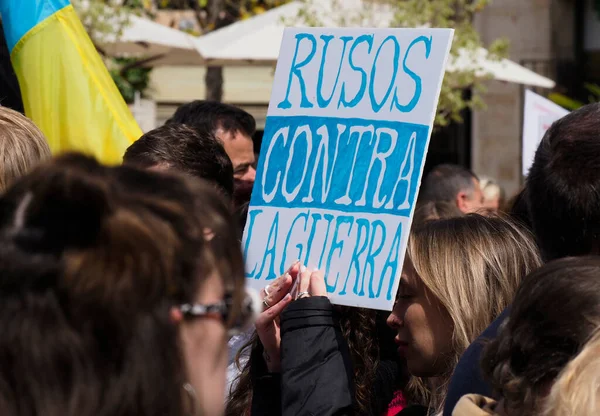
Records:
x=394, y=321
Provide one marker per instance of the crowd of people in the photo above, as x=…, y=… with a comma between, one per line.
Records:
x=122, y=288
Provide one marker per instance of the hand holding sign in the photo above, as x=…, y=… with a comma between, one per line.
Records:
x=278, y=297
x=311, y=283
x=275, y=298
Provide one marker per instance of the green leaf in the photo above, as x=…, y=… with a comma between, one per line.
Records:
x=131, y=80
x=594, y=89
x=564, y=101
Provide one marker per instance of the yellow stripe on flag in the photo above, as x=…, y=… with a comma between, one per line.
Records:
x=68, y=92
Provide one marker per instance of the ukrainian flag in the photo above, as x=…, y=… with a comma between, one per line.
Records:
x=67, y=91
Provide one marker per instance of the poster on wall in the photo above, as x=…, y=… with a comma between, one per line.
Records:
x=347, y=131
x=539, y=114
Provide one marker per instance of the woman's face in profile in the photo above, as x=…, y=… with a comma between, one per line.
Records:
x=424, y=327
x=204, y=344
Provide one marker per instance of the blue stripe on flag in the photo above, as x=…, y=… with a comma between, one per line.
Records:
x=20, y=16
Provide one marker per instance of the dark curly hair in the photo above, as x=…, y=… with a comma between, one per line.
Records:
x=359, y=329
x=555, y=311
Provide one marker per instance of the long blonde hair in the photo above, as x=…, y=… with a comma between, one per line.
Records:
x=576, y=391
x=22, y=146
x=473, y=266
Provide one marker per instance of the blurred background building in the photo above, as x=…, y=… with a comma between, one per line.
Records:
x=558, y=39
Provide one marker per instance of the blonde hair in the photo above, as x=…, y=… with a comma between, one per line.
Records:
x=491, y=190
x=22, y=146
x=576, y=391
x=473, y=265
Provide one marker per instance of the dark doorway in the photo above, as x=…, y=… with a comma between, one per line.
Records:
x=451, y=144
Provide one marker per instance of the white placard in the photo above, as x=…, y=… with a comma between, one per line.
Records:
x=539, y=114
x=342, y=156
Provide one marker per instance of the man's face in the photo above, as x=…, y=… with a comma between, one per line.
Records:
x=472, y=202
x=240, y=149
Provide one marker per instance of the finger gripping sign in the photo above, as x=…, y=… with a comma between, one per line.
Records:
x=342, y=156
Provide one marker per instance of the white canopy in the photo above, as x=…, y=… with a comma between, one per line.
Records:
x=257, y=40
x=501, y=70
x=145, y=38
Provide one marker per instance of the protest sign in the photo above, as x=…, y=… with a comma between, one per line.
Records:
x=539, y=114
x=342, y=156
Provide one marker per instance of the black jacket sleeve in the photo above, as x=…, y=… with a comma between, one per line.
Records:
x=266, y=387
x=316, y=376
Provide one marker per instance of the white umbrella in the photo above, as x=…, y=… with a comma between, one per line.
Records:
x=160, y=44
x=257, y=40
x=501, y=70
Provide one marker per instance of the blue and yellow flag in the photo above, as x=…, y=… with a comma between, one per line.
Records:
x=67, y=91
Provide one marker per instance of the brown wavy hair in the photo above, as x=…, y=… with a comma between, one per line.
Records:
x=555, y=312
x=359, y=330
x=92, y=261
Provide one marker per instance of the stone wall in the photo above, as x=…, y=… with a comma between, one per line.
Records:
x=496, y=133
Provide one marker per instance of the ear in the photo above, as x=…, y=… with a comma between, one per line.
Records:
x=461, y=201
x=175, y=315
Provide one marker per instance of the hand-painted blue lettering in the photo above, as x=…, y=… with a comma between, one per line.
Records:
x=251, y=219
x=322, y=160
x=268, y=196
x=298, y=171
x=380, y=156
x=377, y=105
x=329, y=219
x=316, y=218
x=406, y=173
x=362, y=239
x=361, y=130
x=270, y=251
x=303, y=216
x=372, y=253
x=324, y=102
x=376, y=172
x=296, y=70
x=363, y=74
x=337, y=245
x=392, y=264
x=416, y=78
